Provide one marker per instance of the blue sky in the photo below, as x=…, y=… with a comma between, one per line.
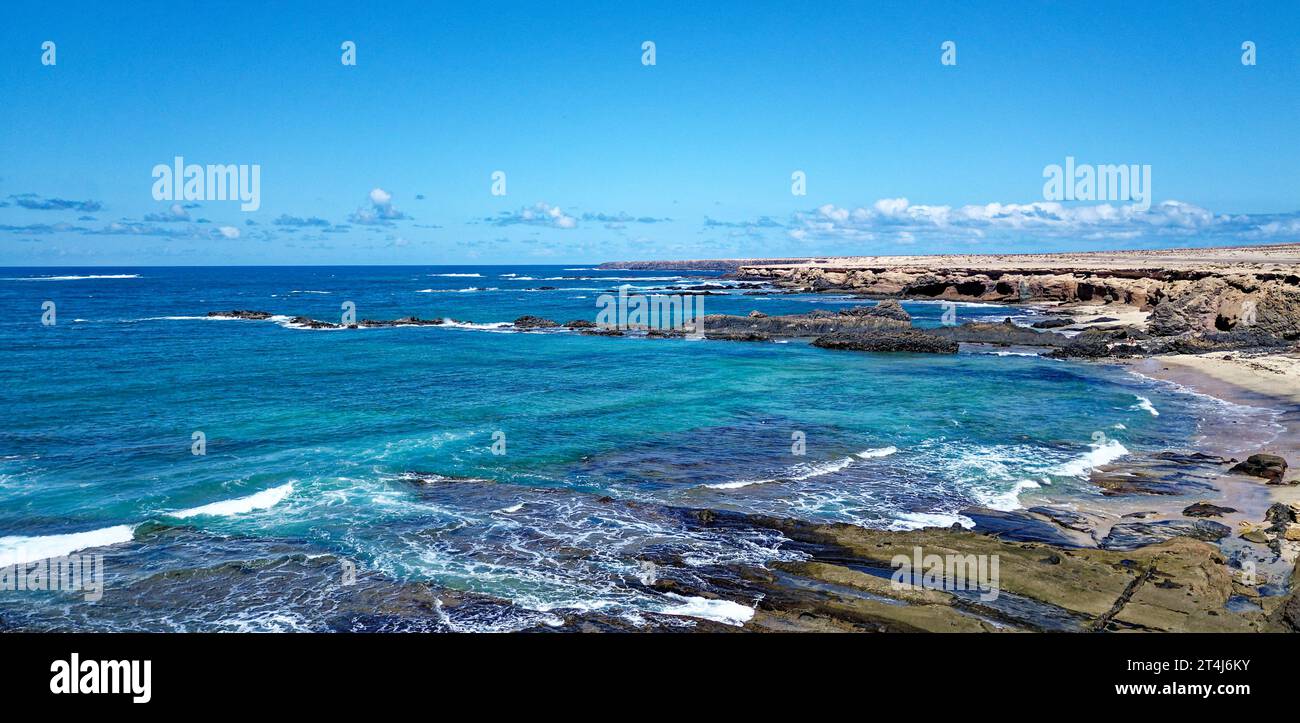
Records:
x=390, y=161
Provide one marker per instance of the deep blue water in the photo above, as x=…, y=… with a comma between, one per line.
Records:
x=313, y=437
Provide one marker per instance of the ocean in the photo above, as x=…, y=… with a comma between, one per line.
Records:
x=480, y=461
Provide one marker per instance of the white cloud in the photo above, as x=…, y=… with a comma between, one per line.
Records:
x=539, y=214
x=381, y=211
x=899, y=220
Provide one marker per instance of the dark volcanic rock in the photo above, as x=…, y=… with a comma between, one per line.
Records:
x=812, y=324
x=1132, y=535
x=310, y=323
x=580, y=324
x=1003, y=334
x=738, y=335
x=404, y=321
x=1219, y=341
x=1269, y=466
x=1053, y=323
x=1281, y=515
x=886, y=309
x=902, y=340
x=1205, y=509
x=533, y=322
x=243, y=314
x=1098, y=344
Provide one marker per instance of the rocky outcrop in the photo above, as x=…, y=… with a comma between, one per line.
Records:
x=403, y=321
x=1132, y=535
x=242, y=314
x=533, y=322
x=899, y=340
x=1162, y=473
x=1207, y=509
x=847, y=582
x=1003, y=334
x=1269, y=466
x=886, y=309
x=1100, y=343
x=1186, y=291
x=812, y=324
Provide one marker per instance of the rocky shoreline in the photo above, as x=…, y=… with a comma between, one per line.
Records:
x=1150, y=561
x=1147, y=570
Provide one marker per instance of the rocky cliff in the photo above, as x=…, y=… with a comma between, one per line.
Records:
x=1185, y=291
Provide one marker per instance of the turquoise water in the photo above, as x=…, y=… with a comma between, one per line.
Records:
x=324, y=441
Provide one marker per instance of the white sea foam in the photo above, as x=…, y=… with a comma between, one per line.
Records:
x=490, y=326
x=1145, y=404
x=874, y=453
x=15, y=550
x=917, y=520
x=1006, y=500
x=466, y=290
x=1099, y=454
x=74, y=278
x=460, y=276
x=512, y=508
x=295, y=291
x=722, y=611
x=798, y=473
x=260, y=501
x=738, y=484
x=821, y=468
